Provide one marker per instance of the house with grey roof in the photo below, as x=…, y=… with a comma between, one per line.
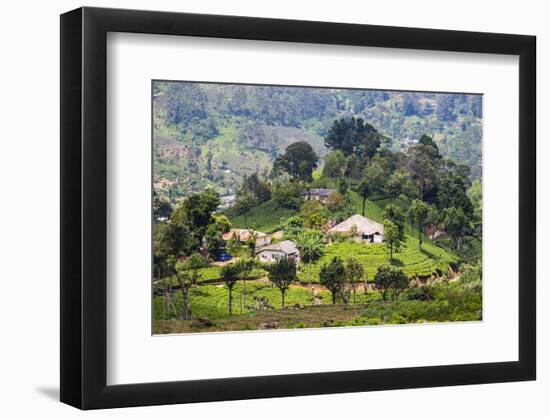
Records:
x=319, y=194
x=283, y=249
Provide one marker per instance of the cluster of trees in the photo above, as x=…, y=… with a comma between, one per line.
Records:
x=343, y=278
x=292, y=169
x=420, y=184
x=191, y=223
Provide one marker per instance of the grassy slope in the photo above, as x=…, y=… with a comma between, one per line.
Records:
x=413, y=261
x=266, y=217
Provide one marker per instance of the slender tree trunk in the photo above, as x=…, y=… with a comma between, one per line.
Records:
x=230, y=301
x=419, y=237
x=185, y=304
x=354, y=291
x=364, y=202
x=334, y=297
x=283, y=298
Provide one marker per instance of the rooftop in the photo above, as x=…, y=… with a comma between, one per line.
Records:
x=362, y=224
x=285, y=246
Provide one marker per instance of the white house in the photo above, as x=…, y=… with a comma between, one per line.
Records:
x=286, y=249
x=360, y=228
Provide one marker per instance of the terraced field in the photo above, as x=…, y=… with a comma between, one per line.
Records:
x=410, y=259
x=211, y=301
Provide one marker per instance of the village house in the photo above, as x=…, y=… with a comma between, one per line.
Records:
x=283, y=249
x=319, y=194
x=360, y=228
x=262, y=239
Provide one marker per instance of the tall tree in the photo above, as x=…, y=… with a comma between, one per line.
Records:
x=244, y=202
x=355, y=274
x=311, y=248
x=335, y=164
x=418, y=214
x=375, y=175
x=391, y=236
x=244, y=267
x=423, y=161
x=333, y=275
x=299, y=160
x=456, y=224
x=187, y=275
x=364, y=190
x=195, y=214
x=230, y=275
x=394, y=214
x=395, y=184
x=282, y=273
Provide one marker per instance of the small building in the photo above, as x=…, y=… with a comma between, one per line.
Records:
x=283, y=249
x=319, y=194
x=262, y=239
x=360, y=228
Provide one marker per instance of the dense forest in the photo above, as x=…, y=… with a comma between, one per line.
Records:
x=214, y=134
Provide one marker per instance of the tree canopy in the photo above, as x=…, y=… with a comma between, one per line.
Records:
x=299, y=160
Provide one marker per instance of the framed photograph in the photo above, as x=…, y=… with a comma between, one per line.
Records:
x=257, y=208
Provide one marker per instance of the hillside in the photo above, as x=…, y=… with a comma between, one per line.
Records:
x=213, y=134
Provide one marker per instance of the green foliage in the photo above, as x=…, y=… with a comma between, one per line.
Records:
x=230, y=275
x=418, y=214
x=391, y=237
x=195, y=214
x=292, y=226
x=266, y=216
x=391, y=279
x=423, y=162
x=333, y=275
x=311, y=246
x=395, y=184
x=335, y=164
x=313, y=214
x=456, y=223
x=394, y=214
x=282, y=273
x=353, y=136
x=414, y=262
x=299, y=160
x=355, y=274
x=286, y=194
x=252, y=186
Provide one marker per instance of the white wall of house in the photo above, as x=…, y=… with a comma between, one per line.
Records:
x=270, y=255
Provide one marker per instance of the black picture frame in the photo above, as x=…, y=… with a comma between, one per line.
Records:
x=84, y=207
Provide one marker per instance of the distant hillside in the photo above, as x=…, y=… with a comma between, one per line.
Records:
x=213, y=134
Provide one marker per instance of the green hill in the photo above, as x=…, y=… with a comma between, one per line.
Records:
x=213, y=134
